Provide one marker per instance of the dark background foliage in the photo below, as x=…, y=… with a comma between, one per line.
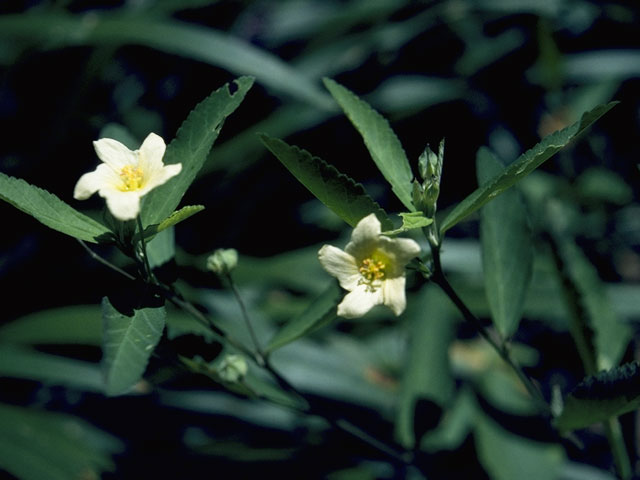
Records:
x=502, y=74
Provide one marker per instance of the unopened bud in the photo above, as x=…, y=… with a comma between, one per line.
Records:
x=222, y=261
x=232, y=368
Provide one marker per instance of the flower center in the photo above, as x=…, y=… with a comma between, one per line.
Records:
x=132, y=178
x=372, y=270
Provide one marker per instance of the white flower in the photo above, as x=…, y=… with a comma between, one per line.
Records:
x=126, y=175
x=371, y=268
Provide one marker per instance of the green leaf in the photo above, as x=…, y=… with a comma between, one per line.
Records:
x=320, y=312
x=68, y=325
x=191, y=148
x=200, y=43
x=162, y=248
x=18, y=362
x=128, y=343
x=599, y=397
x=50, y=210
x=411, y=221
x=173, y=219
x=525, y=164
x=593, y=308
x=341, y=194
x=506, y=456
x=506, y=250
x=382, y=143
x=426, y=374
x=36, y=444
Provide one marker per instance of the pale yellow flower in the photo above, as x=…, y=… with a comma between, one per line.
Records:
x=371, y=268
x=126, y=175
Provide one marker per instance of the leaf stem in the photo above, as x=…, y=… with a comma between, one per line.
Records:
x=618, y=449
x=143, y=248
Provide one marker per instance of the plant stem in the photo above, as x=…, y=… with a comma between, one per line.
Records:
x=618, y=449
x=259, y=354
x=499, y=345
x=143, y=246
x=105, y=262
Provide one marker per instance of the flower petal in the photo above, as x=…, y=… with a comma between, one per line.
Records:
x=364, y=237
x=91, y=182
x=151, y=153
x=358, y=302
x=122, y=205
x=161, y=176
x=340, y=265
x=115, y=154
x=393, y=294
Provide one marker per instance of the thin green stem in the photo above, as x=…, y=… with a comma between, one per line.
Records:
x=259, y=354
x=105, y=262
x=145, y=259
x=498, y=344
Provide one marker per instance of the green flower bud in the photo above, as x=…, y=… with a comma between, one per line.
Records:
x=222, y=261
x=425, y=196
x=232, y=368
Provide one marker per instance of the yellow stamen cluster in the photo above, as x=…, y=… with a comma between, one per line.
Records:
x=371, y=271
x=132, y=178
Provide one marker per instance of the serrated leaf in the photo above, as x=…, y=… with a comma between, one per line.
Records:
x=410, y=221
x=173, y=219
x=51, y=211
x=524, y=165
x=382, y=143
x=599, y=397
x=340, y=193
x=37, y=444
x=506, y=249
x=128, y=342
x=191, y=148
x=321, y=311
x=610, y=336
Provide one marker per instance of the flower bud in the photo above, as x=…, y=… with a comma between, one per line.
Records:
x=232, y=368
x=425, y=195
x=223, y=261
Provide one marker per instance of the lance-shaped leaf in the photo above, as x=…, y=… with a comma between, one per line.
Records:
x=597, y=398
x=173, y=219
x=320, y=312
x=522, y=167
x=50, y=210
x=340, y=193
x=506, y=249
x=382, y=143
x=410, y=221
x=191, y=148
x=128, y=342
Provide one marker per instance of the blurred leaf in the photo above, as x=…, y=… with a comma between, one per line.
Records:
x=597, y=398
x=320, y=312
x=411, y=221
x=71, y=325
x=603, y=185
x=455, y=425
x=36, y=444
x=186, y=39
x=524, y=165
x=340, y=193
x=18, y=362
x=50, y=210
x=506, y=249
x=128, y=343
x=191, y=148
x=506, y=456
x=592, y=306
x=382, y=143
x=602, y=64
x=426, y=375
